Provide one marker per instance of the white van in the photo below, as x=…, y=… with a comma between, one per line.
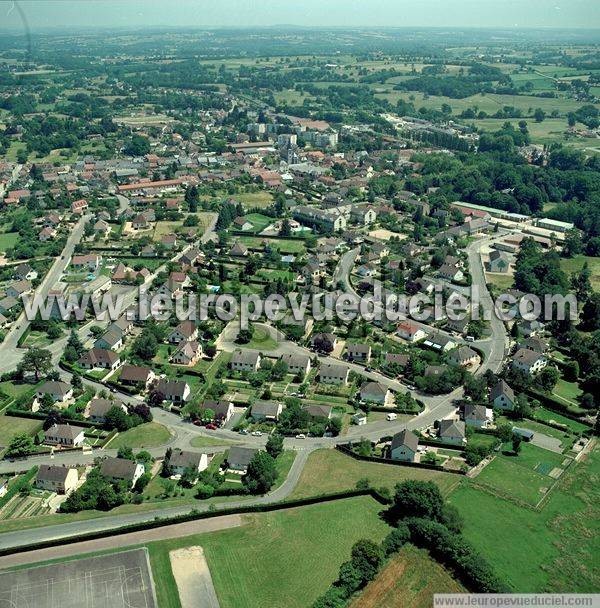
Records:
x=391, y=417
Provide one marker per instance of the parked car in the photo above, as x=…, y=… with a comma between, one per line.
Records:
x=243, y=432
x=211, y=426
x=256, y=434
x=301, y=436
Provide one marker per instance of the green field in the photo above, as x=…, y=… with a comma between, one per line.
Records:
x=282, y=245
x=570, y=265
x=549, y=415
x=260, y=199
x=567, y=391
x=524, y=477
x=207, y=442
x=148, y=435
x=322, y=474
x=275, y=554
x=552, y=550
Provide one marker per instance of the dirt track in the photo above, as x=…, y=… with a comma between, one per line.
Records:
x=121, y=541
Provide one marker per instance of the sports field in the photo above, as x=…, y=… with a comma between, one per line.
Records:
x=120, y=580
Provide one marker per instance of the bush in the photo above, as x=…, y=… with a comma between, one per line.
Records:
x=204, y=490
x=396, y=539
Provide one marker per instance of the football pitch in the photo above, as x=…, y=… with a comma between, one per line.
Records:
x=119, y=580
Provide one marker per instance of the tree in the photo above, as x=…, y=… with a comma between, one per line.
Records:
x=261, y=473
x=76, y=381
x=36, y=360
x=274, y=444
x=366, y=557
x=417, y=499
x=548, y=378
x=75, y=343
x=189, y=477
x=20, y=445
x=504, y=432
x=125, y=452
x=590, y=315
x=516, y=443
x=245, y=335
x=539, y=115
x=116, y=418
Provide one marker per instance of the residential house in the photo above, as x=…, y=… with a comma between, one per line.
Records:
x=98, y=407
x=185, y=331
x=245, y=361
x=238, y=458
x=266, y=410
x=399, y=359
x=137, y=376
x=176, y=391
x=528, y=361
x=375, y=392
x=502, y=396
x=536, y=344
x=58, y=479
x=241, y=223
x=297, y=364
x=439, y=341
x=404, y=446
x=188, y=353
x=319, y=411
x=64, y=435
x=452, y=432
x=18, y=288
x=89, y=262
x=238, y=250
x=323, y=341
x=358, y=352
x=498, y=262
x=59, y=391
x=478, y=416
x=223, y=410
x=451, y=273
x=8, y=304
x=180, y=460
x=100, y=357
x=464, y=356
x=410, y=331
x=111, y=339
x=122, y=469
x=79, y=206
x=47, y=234
x=333, y=374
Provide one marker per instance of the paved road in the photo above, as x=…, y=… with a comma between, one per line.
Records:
x=9, y=353
x=212, y=524
x=66, y=530
x=435, y=407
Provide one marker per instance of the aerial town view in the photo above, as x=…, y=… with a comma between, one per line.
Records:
x=299, y=303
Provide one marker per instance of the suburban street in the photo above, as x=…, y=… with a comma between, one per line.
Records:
x=183, y=432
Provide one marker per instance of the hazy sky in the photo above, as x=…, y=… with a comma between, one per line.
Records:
x=214, y=13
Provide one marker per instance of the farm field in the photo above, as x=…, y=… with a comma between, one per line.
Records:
x=318, y=538
x=408, y=580
x=148, y=435
x=321, y=474
x=544, y=550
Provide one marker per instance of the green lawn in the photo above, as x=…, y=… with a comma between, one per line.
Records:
x=570, y=265
x=207, y=442
x=552, y=550
x=549, y=415
x=275, y=554
x=8, y=240
x=502, y=281
x=566, y=438
x=11, y=426
x=148, y=435
x=262, y=198
x=322, y=473
x=261, y=341
x=524, y=477
x=259, y=221
x=567, y=391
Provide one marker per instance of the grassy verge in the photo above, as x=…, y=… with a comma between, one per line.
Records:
x=148, y=435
